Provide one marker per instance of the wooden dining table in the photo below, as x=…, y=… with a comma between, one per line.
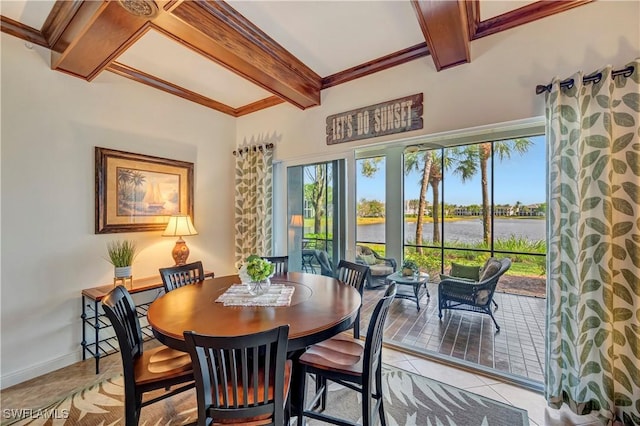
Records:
x=320, y=308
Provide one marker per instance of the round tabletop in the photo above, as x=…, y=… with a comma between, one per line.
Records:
x=320, y=308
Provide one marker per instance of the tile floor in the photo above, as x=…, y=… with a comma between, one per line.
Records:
x=52, y=386
x=489, y=387
x=518, y=349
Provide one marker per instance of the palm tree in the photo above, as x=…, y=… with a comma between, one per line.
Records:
x=470, y=157
x=420, y=161
x=315, y=193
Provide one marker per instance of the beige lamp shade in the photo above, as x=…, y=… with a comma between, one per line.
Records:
x=296, y=220
x=179, y=226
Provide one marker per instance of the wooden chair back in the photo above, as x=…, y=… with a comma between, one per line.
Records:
x=179, y=276
x=355, y=275
x=241, y=377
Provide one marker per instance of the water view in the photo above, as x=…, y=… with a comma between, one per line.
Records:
x=465, y=231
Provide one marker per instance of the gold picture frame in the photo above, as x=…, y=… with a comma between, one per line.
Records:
x=136, y=192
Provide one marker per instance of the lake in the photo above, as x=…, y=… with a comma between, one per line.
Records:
x=467, y=231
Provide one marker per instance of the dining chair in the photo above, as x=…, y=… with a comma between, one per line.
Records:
x=179, y=276
x=241, y=379
x=281, y=264
x=144, y=371
x=350, y=362
x=355, y=275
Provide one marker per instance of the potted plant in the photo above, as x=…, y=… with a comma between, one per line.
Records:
x=409, y=267
x=121, y=255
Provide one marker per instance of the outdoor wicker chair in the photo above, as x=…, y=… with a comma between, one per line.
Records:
x=379, y=267
x=466, y=295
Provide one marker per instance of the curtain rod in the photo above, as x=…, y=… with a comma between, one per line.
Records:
x=593, y=78
x=254, y=147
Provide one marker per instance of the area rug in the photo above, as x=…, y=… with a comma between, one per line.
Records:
x=409, y=400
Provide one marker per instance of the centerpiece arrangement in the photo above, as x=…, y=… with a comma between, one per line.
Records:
x=255, y=273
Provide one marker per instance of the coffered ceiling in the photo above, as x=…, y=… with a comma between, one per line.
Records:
x=242, y=56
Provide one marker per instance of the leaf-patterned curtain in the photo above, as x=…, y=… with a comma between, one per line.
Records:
x=253, y=201
x=593, y=263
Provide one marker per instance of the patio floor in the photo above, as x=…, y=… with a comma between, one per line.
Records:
x=518, y=348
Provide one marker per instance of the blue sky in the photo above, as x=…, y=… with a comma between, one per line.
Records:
x=520, y=178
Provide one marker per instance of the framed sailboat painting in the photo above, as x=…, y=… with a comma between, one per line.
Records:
x=136, y=192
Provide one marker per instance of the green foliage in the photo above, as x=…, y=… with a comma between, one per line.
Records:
x=121, y=253
x=258, y=268
x=410, y=264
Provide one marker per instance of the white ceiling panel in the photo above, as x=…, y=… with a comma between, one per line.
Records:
x=492, y=8
x=331, y=36
x=31, y=12
x=162, y=57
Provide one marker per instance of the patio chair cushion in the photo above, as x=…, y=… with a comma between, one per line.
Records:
x=491, y=267
x=379, y=269
x=369, y=259
x=469, y=272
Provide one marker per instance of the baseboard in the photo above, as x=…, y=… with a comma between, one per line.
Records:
x=36, y=370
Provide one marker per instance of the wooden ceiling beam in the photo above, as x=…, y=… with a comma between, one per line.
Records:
x=217, y=31
x=524, y=15
x=22, y=31
x=392, y=60
x=445, y=29
x=96, y=34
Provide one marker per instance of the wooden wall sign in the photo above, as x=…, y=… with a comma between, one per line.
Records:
x=396, y=116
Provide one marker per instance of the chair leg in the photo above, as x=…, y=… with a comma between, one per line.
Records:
x=302, y=390
x=366, y=403
x=494, y=320
x=383, y=420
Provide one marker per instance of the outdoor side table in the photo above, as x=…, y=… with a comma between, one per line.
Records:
x=414, y=281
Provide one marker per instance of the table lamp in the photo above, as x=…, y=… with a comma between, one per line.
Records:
x=297, y=221
x=180, y=226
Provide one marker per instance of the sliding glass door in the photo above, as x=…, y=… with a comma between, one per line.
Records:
x=315, y=212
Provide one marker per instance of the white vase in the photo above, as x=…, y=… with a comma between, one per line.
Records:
x=122, y=271
x=256, y=288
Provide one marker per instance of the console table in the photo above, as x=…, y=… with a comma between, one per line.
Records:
x=93, y=317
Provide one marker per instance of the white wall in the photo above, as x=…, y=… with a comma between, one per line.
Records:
x=498, y=85
x=51, y=123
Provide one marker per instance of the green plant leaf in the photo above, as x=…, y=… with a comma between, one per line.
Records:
x=623, y=119
x=632, y=100
x=590, y=158
x=622, y=142
x=621, y=378
x=622, y=292
x=590, y=203
x=600, y=166
x=621, y=228
x=634, y=251
x=597, y=309
x=632, y=190
x=633, y=281
x=633, y=160
x=568, y=113
x=589, y=121
x=590, y=285
x=598, y=225
x=622, y=205
x=591, y=368
x=597, y=141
